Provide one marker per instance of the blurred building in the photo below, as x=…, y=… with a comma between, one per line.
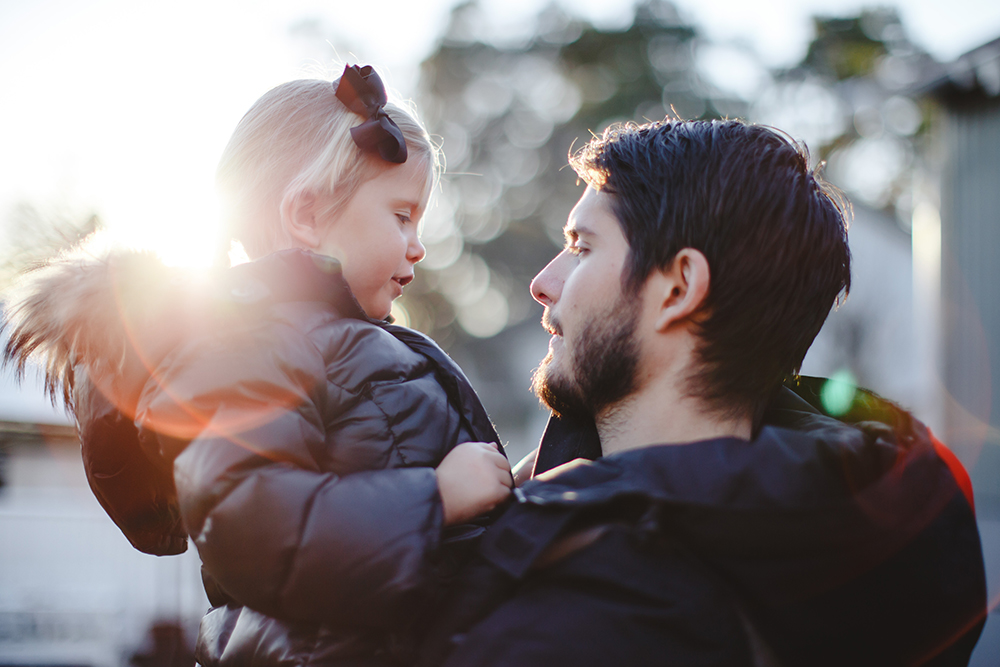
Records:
x=73, y=591
x=968, y=162
x=872, y=337
x=958, y=229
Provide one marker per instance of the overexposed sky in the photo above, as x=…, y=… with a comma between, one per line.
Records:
x=123, y=106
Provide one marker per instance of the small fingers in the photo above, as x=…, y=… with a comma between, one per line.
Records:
x=506, y=479
x=495, y=454
x=493, y=447
x=500, y=461
x=503, y=465
x=501, y=475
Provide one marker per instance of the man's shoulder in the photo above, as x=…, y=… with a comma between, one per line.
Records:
x=802, y=459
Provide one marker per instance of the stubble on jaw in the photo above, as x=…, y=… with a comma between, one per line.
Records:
x=603, y=364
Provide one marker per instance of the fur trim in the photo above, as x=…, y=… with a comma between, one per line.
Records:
x=103, y=309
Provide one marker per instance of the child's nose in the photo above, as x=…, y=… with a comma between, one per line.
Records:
x=416, y=250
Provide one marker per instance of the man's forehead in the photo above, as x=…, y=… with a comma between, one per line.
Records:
x=590, y=215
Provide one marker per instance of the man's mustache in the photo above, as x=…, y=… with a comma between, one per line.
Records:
x=550, y=323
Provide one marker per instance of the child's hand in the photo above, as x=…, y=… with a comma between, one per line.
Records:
x=472, y=479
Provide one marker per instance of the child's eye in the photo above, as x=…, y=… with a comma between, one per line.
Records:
x=405, y=219
x=577, y=250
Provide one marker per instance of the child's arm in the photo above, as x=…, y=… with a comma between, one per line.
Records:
x=275, y=531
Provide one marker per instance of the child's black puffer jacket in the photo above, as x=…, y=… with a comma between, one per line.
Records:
x=301, y=434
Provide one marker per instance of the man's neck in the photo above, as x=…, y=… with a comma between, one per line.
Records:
x=658, y=414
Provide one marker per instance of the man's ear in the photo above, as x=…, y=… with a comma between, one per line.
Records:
x=681, y=288
x=299, y=218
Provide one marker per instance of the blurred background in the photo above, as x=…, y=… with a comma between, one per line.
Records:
x=114, y=113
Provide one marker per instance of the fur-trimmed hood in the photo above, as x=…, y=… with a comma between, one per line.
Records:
x=114, y=313
x=102, y=324
x=117, y=313
x=100, y=320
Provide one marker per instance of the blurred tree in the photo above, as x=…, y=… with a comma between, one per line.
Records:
x=508, y=109
x=844, y=48
x=850, y=100
x=508, y=113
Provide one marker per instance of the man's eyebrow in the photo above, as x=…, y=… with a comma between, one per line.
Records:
x=574, y=231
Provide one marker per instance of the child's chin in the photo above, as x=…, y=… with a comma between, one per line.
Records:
x=379, y=314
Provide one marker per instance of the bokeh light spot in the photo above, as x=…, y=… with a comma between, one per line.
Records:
x=486, y=317
x=838, y=393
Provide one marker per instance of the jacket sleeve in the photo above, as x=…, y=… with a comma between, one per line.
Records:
x=276, y=532
x=135, y=490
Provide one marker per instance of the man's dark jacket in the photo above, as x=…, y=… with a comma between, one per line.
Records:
x=821, y=542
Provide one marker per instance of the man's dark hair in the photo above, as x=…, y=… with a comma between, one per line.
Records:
x=774, y=235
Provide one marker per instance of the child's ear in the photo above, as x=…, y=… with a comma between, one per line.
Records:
x=299, y=217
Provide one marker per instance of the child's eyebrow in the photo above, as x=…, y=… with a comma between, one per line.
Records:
x=408, y=204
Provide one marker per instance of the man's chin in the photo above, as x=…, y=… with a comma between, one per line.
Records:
x=598, y=370
x=557, y=392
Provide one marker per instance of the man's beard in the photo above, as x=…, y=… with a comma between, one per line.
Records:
x=600, y=369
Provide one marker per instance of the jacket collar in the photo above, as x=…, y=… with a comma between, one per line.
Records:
x=295, y=275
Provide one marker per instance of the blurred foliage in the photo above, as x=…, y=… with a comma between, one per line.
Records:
x=508, y=109
x=34, y=233
x=848, y=47
x=508, y=113
x=851, y=100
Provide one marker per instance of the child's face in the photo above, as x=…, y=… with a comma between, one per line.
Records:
x=375, y=235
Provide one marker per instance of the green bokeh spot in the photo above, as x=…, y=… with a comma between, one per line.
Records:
x=837, y=394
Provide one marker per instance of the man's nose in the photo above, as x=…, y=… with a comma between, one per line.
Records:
x=547, y=285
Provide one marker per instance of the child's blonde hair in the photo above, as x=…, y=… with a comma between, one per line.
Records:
x=296, y=138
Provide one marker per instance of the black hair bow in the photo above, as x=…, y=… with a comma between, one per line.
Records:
x=361, y=90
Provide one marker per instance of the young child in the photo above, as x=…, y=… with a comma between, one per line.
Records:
x=326, y=463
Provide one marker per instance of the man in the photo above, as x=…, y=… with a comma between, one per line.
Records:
x=726, y=520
